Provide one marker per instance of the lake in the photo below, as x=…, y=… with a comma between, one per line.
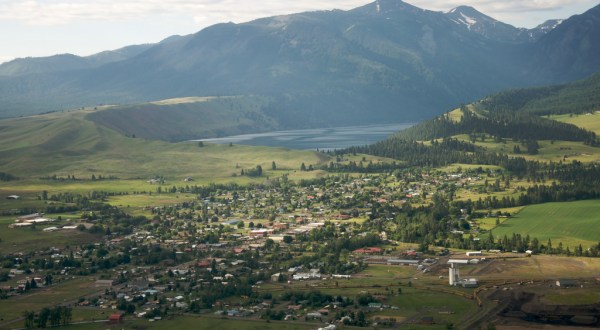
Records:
x=319, y=138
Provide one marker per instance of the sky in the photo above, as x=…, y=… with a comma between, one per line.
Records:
x=84, y=27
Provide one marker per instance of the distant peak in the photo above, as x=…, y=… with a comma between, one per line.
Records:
x=550, y=24
x=390, y=5
x=467, y=10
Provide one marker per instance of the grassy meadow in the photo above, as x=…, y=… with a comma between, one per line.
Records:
x=68, y=144
x=571, y=223
x=588, y=121
x=199, y=322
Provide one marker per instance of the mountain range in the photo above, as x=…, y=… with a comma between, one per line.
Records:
x=385, y=61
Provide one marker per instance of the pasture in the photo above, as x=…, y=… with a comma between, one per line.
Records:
x=67, y=291
x=65, y=144
x=541, y=267
x=206, y=322
x=571, y=223
x=588, y=121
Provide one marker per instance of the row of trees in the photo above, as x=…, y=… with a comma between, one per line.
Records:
x=59, y=315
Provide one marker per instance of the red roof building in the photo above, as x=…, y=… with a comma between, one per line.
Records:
x=115, y=318
x=369, y=250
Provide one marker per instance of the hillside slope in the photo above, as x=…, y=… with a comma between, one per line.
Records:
x=517, y=114
x=66, y=144
x=188, y=118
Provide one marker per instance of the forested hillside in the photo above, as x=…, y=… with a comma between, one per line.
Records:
x=518, y=114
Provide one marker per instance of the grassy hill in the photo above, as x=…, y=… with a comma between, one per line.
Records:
x=69, y=143
x=187, y=118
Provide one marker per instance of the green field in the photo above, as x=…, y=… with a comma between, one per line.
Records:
x=591, y=122
x=65, y=144
x=549, y=151
x=201, y=323
x=65, y=292
x=571, y=223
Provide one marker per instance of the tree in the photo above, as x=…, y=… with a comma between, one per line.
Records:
x=29, y=317
x=43, y=317
x=269, y=243
x=288, y=239
x=55, y=316
x=361, y=320
x=200, y=144
x=66, y=314
x=273, y=166
x=302, y=167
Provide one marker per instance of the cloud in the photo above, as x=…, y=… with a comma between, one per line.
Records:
x=207, y=12
x=500, y=6
x=64, y=12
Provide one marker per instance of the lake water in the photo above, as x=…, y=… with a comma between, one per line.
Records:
x=320, y=138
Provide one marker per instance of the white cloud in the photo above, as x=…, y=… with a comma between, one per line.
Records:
x=56, y=12
x=517, y=6
x=207, y=12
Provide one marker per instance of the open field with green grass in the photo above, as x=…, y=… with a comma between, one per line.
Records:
x=588, y=121
x=549, y=151
x=68, y=144
x=571, y=223
x=66, y=291
x=34, y=239
x=208, y=322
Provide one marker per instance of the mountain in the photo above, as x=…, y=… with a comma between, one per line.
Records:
x=488, y=27
x=67, y=62
x=385, y=61
x=570, y=51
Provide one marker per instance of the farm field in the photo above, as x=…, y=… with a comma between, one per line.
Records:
x=571, y=223
x=64, y=292
x=588, y=121
x=201, y=323
x=518, y=267
x=549, y=151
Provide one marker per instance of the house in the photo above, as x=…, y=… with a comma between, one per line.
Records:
x=15, y=197
x=115, y=318
x=261, y=232
x=329, y=327
x=368, y=250
x=427, y=320
x=107, y=283
x=234, y=222
x=474, y=253
x=314, y=315
x=280, y=226
x=29, y=217
x=565, y=283
x=203, y=263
